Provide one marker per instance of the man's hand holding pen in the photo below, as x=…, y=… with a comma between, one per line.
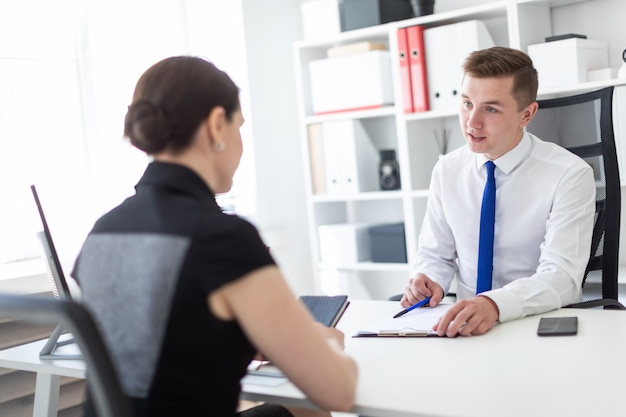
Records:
x=467, y=317
x=413, y=307
x=420, y=288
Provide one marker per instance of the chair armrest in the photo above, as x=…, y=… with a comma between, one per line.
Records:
x=607, y=303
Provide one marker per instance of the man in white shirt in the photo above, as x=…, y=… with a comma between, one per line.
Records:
x=545, y=203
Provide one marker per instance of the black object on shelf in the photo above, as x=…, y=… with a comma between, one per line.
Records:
x=388, y=170
x=356, y=14
x=422, y=7
x=387, y=243
x=565, y=36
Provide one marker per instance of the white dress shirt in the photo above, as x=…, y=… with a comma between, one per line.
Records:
x=545, y=205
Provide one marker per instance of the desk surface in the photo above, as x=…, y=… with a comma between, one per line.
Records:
x=26, y=358
x=510, y=370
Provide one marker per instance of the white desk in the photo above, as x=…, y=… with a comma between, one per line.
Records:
x=49, y=373
x=510, y=371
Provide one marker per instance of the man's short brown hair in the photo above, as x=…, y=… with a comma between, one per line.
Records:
x=499, y=62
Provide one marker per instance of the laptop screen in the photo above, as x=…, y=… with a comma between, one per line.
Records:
x=57, y=279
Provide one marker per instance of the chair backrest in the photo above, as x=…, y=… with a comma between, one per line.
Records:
x=583, y=124
x=104, y=386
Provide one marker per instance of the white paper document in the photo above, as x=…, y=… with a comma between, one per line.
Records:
x=264, y=373
x=415, y=323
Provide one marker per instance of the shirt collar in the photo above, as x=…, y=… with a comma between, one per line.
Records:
x=507, y=162
x=177, y=178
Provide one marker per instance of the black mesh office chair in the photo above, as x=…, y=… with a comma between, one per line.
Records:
x=104, y=386
x=583, y=124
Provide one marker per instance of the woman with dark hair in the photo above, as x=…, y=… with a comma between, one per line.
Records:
x=184, y=294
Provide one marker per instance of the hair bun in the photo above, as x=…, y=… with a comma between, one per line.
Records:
x=147, y=126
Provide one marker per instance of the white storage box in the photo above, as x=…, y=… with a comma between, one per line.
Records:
x=344, y=244
x=351, y=82
x=568, y=61
x=446, y=48
x=602, y=74
x=350, y=159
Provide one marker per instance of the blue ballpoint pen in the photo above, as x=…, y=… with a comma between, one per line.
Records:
x=414, y=306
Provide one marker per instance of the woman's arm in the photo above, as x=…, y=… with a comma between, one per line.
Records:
x=279, y=325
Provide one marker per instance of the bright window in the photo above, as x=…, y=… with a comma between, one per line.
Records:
x=64, y=91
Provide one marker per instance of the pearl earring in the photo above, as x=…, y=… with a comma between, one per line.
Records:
x=218, y=147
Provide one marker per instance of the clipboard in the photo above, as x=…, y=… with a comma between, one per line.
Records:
x=396, y=333
x=416, y=323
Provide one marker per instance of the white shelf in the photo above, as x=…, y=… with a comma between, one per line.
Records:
x=369, y=266
x=419, y=194
x=432, y=114
x=379, y=32
x=386, y=111
x=365, y=196
x=564, y=90
x=515, y=23
x=551, y=3
x=481, y=12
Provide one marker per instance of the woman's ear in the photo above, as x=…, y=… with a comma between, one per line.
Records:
x=215, y=124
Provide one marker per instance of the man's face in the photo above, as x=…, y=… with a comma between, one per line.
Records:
x=490, y=119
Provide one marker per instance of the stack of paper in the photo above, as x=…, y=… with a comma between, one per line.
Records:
x=416, y=323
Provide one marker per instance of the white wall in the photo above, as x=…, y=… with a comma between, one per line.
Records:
x=271, y=28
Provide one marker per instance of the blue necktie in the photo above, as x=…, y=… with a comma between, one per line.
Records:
x=485, y=240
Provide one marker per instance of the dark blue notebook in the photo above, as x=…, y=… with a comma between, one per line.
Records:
x=326, y=309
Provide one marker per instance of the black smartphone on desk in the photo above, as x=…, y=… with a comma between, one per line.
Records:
x=558, y=326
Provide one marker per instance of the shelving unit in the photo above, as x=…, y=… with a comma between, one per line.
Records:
x=513, y=23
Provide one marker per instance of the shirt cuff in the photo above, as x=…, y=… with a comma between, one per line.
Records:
x=443, y=285
x=508, y=303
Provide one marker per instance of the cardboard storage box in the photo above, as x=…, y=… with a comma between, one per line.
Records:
x=352, y=82
x=344, y=244
x=387, y=243
x=568, y=61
